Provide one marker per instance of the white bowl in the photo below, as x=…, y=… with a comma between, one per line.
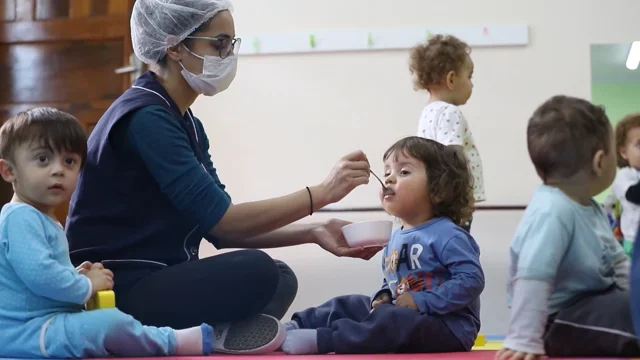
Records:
x=368, y=233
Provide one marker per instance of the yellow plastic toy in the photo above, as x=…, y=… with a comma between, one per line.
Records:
x=482, y=344
x=104, y=299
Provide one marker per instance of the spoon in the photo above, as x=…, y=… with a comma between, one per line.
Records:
x=386, y=190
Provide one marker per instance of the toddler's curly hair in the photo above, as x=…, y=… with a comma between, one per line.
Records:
x=432, y=61
x=623, y=127
x=448, y=176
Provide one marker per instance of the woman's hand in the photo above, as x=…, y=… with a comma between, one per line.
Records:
x=350, y=172
x=329, y=237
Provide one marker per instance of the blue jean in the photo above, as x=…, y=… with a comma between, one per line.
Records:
x=346, y=325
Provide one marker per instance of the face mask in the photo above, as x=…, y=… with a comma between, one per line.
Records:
x=217, y=74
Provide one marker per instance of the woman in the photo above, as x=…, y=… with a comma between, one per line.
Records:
x=149, y=191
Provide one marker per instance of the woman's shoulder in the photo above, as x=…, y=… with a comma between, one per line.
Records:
x=149, y=113
x=149, y=117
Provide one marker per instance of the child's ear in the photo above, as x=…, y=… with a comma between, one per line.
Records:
x=598, y=162
x=7, y=171
x=623, y=152
x=450, y=79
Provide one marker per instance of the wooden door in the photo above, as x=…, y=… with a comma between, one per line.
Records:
x=62, y=53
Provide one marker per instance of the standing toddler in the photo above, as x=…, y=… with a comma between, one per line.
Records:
x=443, y=67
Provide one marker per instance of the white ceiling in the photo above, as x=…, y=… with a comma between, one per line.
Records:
x=608, y=64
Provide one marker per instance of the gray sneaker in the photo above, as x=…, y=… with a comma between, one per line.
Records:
x=259, y=334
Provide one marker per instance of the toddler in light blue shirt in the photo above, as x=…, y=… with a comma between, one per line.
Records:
x=41, y=293
x=569, y=277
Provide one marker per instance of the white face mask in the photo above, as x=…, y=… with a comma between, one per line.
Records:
x=217, y=74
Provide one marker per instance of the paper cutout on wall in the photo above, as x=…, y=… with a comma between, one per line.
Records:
x=429, y=34
x=256, y=45
x=381, y=39
x=369, y=40
x=312, y=41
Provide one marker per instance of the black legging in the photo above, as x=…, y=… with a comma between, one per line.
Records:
x=220, y=288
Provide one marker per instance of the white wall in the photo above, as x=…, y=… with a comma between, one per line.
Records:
x=292, y=117
x=287, y=119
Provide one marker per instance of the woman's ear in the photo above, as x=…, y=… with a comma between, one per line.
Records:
x=175, y=52
x=7, y=171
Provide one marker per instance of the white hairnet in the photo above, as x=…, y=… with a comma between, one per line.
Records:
x=159, y=24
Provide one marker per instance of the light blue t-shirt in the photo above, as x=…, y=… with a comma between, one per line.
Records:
x=37, y=279
x=566, y=243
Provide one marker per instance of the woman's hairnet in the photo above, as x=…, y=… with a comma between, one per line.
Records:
x=159, y=24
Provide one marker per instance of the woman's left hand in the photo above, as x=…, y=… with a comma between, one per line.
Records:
x=329, y=237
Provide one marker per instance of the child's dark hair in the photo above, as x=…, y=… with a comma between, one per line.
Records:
x=432, y=61
x=56, y=130
x=448, y=176
x=623, y=127
x=563, y=135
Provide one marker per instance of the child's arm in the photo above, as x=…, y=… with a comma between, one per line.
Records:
x=381, y=296
x=385, y=285
x=543, y=244
x=462, y=260
x=383, y=290
x=31, y=256
x=622, y=273
x=529, y=314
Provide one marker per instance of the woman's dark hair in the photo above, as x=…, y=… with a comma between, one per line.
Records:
x=449, y=180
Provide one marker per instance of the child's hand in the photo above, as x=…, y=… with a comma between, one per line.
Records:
x=406, y=300
x=383, y=298
x=101, y=278
x=508, y=354
x=84, y=268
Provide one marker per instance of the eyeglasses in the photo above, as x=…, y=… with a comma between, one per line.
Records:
x=225, y=45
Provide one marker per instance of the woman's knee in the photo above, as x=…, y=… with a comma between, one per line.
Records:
x=288, y=284
x=261, y=263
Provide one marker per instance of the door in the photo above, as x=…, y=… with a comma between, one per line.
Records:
x=64, y=54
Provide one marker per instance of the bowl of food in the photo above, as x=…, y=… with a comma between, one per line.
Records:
x=368, y=233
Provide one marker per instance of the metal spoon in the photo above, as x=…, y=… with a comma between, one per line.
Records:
x=386, y=190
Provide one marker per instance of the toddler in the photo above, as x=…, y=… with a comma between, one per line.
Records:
x=568, y=278
x=429, y=300
x=444, y=68
x=626, y=186
x=41, y=293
